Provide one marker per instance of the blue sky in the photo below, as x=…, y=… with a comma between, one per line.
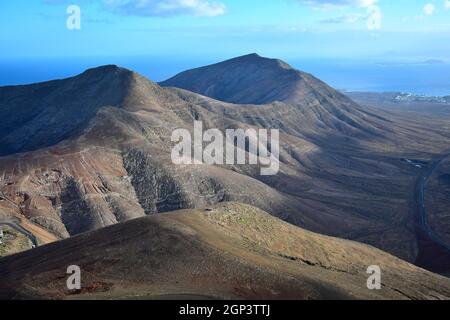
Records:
x=359, y=45
x=398, y=30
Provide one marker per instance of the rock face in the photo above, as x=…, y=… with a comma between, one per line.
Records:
x=90, y=151
x=229, y=251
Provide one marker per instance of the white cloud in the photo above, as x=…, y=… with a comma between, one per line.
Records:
x=447, y=4
x=332, y=4
x=367, y=3
x=374, y=18
x=204, y=8
x=345, y=18
x=429, y=9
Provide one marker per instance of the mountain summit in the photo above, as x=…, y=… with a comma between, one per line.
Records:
x=251, y=79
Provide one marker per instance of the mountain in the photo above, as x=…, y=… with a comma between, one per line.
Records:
x=303, y=105
x=250, y=79
x=91, y=151
x=358, y=148
x=94, y=150
x=228, y=251
x=41, y=115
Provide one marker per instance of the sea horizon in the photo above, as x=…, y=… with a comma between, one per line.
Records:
x=428, y=78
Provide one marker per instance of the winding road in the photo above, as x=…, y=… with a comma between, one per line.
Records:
x=22, y=230
x=16, y=226
x=433, y=251
x=421, y=186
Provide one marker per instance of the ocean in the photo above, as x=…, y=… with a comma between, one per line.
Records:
x=373, y=76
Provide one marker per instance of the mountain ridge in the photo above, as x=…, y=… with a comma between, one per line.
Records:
x=336, y=157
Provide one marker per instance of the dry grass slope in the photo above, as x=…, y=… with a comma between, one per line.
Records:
x=228, y=251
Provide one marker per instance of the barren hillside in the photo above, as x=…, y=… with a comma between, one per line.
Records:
x=228, y=251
